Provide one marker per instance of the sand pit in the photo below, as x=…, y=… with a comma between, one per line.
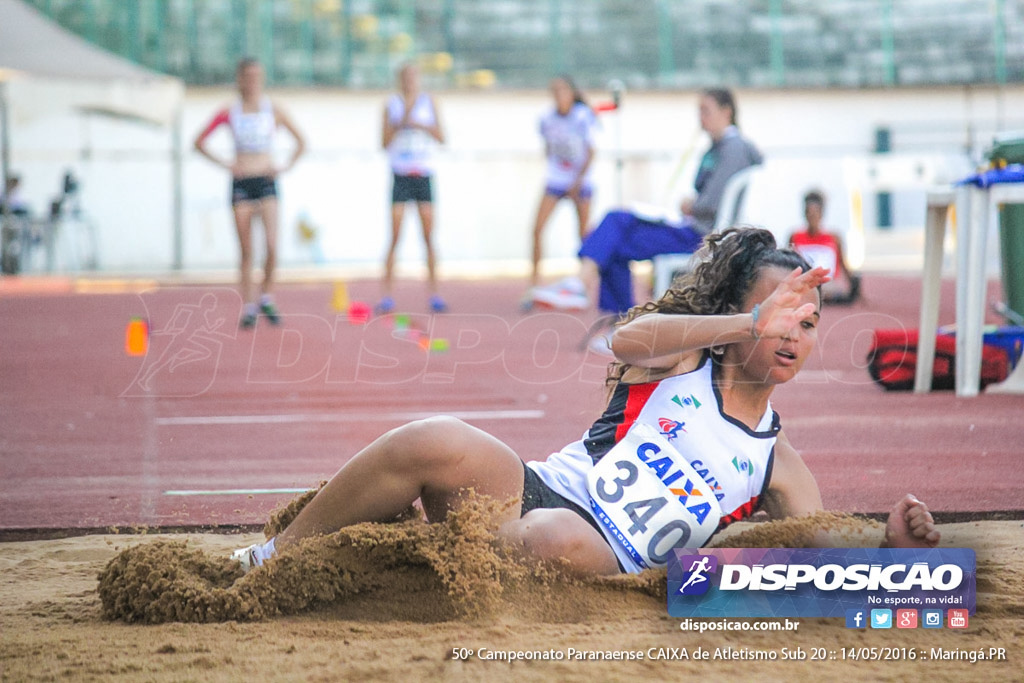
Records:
x=392, y=602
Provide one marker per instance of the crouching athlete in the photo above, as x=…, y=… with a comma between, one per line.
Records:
x=688, y=443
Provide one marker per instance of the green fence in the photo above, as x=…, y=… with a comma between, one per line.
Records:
x=522, y=43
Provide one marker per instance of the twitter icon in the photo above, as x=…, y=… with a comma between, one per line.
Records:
x=881, y=618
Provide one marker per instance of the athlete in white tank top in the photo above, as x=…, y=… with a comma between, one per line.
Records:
x=253, y=120
x=411, y=151
x=568, y=130
x=253, y=131
x=569, y=142
x=733, y=460
x=686, y=445
x=410, y=131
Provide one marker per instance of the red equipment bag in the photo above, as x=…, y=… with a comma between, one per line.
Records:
x=893, y=358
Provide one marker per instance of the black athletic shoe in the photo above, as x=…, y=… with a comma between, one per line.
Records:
x=248, y=321
x=270, y=310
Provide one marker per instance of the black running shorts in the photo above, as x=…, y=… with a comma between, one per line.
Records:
x=411, y=188
x=252, y=189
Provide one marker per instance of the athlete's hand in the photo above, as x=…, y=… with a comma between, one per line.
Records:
x=910, y=525
x=407, y=121
x=782, y=309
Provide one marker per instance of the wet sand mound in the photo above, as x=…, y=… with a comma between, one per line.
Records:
x=458, y=563
x=408, y=569
x=842, y=529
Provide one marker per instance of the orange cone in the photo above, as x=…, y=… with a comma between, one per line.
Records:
x=136, y=337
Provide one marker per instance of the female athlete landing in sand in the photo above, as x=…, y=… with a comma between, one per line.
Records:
x=688, y=444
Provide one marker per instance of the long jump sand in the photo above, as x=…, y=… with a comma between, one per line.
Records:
x=397, y=608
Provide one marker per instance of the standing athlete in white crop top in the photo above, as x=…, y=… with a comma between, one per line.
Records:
x=411, y=129
x=253, y=118
x=689, y=441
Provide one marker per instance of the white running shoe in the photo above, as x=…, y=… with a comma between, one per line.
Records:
x=567, y=294
x=247, y=558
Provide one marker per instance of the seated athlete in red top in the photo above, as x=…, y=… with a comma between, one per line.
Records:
x=825, y=249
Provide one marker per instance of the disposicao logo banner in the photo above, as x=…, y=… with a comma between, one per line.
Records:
x=803, y=582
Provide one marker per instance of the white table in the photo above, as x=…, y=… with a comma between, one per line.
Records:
x=973, y=207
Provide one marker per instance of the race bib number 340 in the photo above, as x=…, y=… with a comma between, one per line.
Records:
x=650, y=500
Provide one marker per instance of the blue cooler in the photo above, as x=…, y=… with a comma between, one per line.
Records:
x=1009, y=338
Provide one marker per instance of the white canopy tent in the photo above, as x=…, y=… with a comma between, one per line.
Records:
x=45, y=69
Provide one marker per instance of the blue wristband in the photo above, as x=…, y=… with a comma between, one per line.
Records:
x=754, y=313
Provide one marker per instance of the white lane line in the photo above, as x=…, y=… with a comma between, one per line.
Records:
x=346, y=417
x=231, y=492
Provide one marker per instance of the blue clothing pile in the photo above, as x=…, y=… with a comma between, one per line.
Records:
x=1014, y=173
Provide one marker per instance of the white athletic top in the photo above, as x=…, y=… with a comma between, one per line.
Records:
x=411, y=151
x=568, y=139
x=253, y=131
x=735, y=461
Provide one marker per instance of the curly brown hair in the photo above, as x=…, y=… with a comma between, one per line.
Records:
x=728, y=264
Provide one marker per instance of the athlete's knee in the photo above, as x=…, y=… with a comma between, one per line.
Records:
x=428, y=443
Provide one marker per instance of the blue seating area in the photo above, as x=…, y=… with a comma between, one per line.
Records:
x=521, y=43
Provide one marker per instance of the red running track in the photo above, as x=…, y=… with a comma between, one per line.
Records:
x=92, y=437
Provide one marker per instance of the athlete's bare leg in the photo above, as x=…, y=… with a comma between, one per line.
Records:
x=269, y=217
x=426, y=211
x=560, y=534
x=243, y=212
x=437, y=461
x=547, y=205
x=434, y=460
x=583, y=214
x=397, y=214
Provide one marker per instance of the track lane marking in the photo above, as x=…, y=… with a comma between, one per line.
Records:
x=201, y=420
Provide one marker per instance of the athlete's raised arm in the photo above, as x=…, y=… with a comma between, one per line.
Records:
x=659, y=340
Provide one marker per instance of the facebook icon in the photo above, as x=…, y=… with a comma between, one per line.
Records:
x=856, y=618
